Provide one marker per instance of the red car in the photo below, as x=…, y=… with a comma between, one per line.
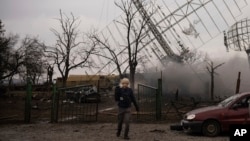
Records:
x=213, y=120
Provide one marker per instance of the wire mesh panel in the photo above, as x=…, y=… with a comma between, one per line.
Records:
x=238, y=36
x=77, y=104
x=147, y=103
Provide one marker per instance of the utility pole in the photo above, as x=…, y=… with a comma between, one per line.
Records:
x=211, y=70
x=238, y=84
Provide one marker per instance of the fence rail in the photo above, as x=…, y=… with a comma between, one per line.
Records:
x=69, y=106
x=75, y=104
x=149, y=102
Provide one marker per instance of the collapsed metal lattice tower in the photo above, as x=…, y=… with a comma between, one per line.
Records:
x=177, y=25
x=157, y=34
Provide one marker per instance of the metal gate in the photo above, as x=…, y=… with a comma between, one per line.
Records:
x=75, y=104
x=149, y=100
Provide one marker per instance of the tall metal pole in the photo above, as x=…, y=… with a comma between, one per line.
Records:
x=159, y=100
x=238, y=84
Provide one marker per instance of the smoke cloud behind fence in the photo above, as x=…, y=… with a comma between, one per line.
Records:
x=194, y=80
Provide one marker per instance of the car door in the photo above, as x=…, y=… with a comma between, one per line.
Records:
x=238, y=113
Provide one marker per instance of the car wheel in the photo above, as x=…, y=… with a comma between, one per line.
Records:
x=211, y=128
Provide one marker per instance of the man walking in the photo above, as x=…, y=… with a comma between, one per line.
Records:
x=124, y=97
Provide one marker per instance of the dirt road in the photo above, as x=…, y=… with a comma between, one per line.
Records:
x=95, y=132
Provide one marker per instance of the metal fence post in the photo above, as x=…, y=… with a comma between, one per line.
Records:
x=53, y=105
x=159, y=100
x=57, y=99
x=97, y=103
x=138, y=100
x=27, y=112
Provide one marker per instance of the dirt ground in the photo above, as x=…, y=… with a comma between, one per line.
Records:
x=13, y=129
x=95, y=132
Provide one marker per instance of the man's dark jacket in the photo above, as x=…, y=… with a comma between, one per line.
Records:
x=124, y=97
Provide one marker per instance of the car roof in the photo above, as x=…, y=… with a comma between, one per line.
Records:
x=244, y=93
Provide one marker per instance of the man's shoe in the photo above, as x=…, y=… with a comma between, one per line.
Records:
x=126, y=138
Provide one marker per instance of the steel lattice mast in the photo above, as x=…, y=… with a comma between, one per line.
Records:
x=158, y=35
x=172, y=29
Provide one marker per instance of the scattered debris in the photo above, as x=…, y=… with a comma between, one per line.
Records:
x=191, y=31
x=35, y=106
x=158, y=131
x=8, y=117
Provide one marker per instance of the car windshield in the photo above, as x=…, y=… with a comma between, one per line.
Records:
x=228, y=101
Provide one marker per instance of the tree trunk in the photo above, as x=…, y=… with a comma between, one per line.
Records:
x=64, y=82
x=33, y=79
x=212, y=85
x=65, y=77
x=120, y=72
x=9, y=85
x=132, y=78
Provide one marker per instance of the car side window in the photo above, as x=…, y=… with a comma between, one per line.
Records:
x=243, y=103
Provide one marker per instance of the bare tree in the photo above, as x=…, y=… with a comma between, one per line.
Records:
x=134, y=35
x=10, y=58
x=70, y=51
x=34, y=61
x=211, y=70
x=113, y=56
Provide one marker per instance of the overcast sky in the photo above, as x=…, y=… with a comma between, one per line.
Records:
x=36, y=17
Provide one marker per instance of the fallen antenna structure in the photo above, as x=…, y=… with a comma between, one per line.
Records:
x=176, y=27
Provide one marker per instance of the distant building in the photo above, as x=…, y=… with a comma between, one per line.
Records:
x=105, y=81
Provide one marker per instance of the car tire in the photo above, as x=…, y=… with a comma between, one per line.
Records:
x=211, y=128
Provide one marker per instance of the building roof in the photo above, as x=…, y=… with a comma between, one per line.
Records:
x=82, y=77
x=87, y=77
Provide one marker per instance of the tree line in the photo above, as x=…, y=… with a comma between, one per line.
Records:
x=72, y=49
x=25, y=59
